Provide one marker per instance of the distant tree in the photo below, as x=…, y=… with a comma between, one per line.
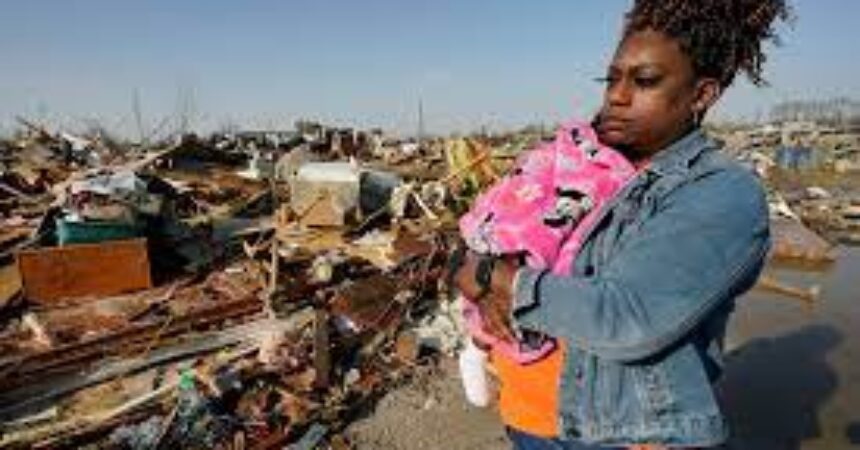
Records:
x=834, y=111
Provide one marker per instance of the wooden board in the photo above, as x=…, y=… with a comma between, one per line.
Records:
x=52, y=274
x=10, y=284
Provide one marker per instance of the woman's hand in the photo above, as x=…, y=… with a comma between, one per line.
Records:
x=495, y=305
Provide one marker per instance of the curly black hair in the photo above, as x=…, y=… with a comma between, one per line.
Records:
x=721, y=37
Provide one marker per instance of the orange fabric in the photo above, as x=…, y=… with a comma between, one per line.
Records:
x=529, y=394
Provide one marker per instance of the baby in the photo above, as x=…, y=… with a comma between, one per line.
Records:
x=542, y=211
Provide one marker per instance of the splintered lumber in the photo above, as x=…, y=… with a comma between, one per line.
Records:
x=19, y=371
x=51, y=389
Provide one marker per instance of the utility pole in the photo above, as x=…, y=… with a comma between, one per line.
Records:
x=186, y=108
x=138, y=116
x=420, y=122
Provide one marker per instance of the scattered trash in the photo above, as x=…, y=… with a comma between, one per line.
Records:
x=247, y=289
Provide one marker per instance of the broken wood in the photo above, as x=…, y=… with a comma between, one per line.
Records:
x=51, y=389
x=322, y=353
x=37, y=437
x=17, y=371
x=40, y=334
x=15, y=192
x=52, y=274
x=809, y=295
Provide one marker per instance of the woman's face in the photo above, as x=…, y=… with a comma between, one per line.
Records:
x=651, y=95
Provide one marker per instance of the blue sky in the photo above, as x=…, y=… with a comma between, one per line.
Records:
x=267, y=63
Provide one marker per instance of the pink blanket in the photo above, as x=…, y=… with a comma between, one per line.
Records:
x=542, y=211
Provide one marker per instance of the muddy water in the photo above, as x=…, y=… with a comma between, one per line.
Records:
x=793, y=375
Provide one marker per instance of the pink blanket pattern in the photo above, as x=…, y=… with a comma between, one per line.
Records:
x=542, y=210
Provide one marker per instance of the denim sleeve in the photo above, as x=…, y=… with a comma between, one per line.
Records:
x=707, y=243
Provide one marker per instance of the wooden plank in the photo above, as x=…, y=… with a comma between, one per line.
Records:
x=52, y=274
x=10, y=284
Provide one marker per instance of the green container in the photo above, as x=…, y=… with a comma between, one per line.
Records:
x=94, y=232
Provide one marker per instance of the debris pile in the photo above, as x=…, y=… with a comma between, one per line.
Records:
x=244, y=290
x=249, y=290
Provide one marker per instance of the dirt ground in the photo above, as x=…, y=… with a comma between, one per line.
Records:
x=430, y=412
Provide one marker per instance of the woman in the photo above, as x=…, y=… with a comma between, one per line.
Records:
x=644, y=311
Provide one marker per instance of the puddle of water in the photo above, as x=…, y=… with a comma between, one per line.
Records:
x=793, y=374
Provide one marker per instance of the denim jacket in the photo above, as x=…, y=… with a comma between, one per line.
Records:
x=645, y=309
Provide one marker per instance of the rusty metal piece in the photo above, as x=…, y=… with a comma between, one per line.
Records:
x=108, y=268
x=368, y=303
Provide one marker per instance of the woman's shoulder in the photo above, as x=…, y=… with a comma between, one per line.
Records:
x=703, y=165
x=721, y=181
x=719, y=164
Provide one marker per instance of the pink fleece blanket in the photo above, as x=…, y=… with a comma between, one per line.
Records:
x=542, y=211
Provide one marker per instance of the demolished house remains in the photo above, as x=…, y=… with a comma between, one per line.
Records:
x=251, y=290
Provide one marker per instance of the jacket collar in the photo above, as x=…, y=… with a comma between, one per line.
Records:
x=678, y=156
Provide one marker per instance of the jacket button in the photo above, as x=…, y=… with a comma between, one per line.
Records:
x=589, y=270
